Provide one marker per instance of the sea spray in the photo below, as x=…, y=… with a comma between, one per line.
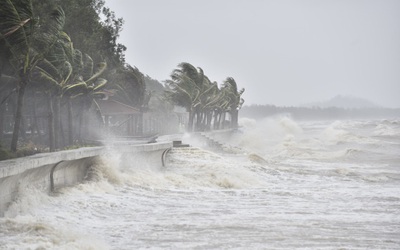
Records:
x=259, y=137
x=28, y=197
x=311, y=192
x=199, y=173
x=107, y=167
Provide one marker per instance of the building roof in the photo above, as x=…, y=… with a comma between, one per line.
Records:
x=112, y=107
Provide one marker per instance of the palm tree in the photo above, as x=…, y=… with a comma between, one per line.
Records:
x=68, y=93
x=185, y=88
x=212, y=104
x=71, y=76
x=7, y=85
x=27, y=43
x=88, y=88
x=7, y=89
x=51, y=75
x=208, y=99
x=75, y=58
x=130, y=85
x=235, y=100
x=182, y=91
x=221, y=106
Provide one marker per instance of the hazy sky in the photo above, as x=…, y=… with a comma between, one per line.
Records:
x=283, y=52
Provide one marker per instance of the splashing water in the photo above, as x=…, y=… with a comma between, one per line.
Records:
x=313, y=185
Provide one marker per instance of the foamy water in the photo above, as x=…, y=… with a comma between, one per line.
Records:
x=311, y=185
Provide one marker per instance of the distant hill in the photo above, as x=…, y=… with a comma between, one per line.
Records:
x=347, y=102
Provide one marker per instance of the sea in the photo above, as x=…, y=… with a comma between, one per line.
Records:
x=277, y=183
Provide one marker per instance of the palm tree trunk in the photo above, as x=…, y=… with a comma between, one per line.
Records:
x=222, y=121
x=80, y=128
x=203, y=123
x=140, y=124
x=234, y=118
x=35, y=126
x=22, y=129
x=1, y=122
x=215, y=120
x=209, y=115
x=62, y=136
x=190, y=122
x=2, y=113
x=51, y=123
x=18, y=116
x=57, y=122
x=70, y=126
x=81, y=119
x=198, y=121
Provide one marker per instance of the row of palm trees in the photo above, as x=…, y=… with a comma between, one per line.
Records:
x=205, y=102
x=40, y=57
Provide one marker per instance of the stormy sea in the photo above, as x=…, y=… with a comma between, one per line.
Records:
x=276, y=184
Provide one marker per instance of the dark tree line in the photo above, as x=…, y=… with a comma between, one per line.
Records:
x=58, y=58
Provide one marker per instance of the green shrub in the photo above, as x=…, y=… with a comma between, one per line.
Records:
x=27, y=148
x=5, y=154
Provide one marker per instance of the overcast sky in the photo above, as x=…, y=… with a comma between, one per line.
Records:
x=283, y=52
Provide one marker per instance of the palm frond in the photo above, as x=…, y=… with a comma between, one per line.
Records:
x=87, y=69
x=66, y=72
x=77, y=61
x=101, y=67
x=74, y=89
x=48, y=67
x=100, y=84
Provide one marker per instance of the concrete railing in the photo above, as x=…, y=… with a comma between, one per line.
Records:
x=49, y=171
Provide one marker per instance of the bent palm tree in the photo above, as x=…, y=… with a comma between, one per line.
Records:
x=51, y=75
x=183, y=91
x=235, y=100
x=28, y=43
x=185, y=88
x=130, y=85
x=87, y=89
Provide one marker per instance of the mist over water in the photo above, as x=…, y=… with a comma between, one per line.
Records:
x=281, y=184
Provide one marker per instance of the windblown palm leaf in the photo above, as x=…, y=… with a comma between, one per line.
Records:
x=131, y=87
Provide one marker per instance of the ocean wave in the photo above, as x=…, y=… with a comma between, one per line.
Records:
x=29, y=232
x=386, y=129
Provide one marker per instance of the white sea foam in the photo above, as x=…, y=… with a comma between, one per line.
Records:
x=315, y=185
x=27, y=232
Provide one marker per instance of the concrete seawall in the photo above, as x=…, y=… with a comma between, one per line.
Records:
x=215, y=140
x=49, y=171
